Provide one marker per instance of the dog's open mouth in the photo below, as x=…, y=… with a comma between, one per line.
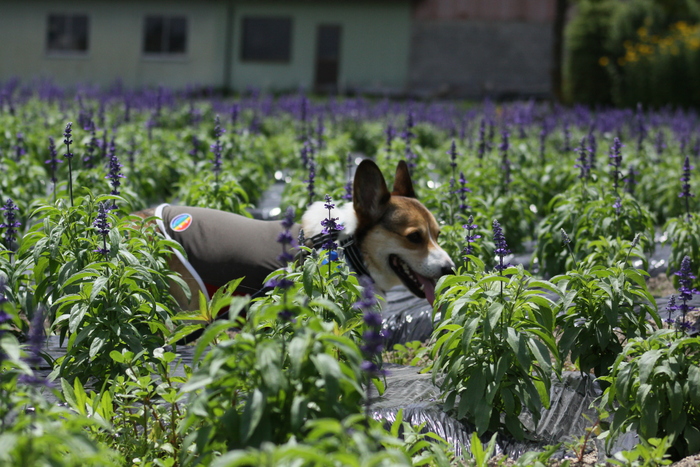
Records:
x=420, y=286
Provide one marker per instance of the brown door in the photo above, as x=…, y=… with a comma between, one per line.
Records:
x=327, y=58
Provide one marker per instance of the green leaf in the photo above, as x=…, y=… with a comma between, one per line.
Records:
x=477, y=450
x=69, y=395
x=252, y=414
x=649, y=419
x=646, y=364
x=493, y=315
x=694, y=384
x=691, y=435
x=329, y=369
x=97, y=286
x=116, y=356
x=482, y=417
x=517, y=343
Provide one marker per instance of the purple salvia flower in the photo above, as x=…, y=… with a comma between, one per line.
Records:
x=127, y=110
x=616, y=162
x=90, y=148
x=235, y=112
x=592, y=151
x=671, y=307
x=501, y=246
x=373, y=339
x=196, y=146
x=481, y=150
x=102, y=228
x=320, y=130
x=285, y=237
x=69, y=155
x=470, y=237
x=582, y=160
x=463, y=190
x=35, y=339
x=114, y=174
x=567, y=241
x=20, y=147
x=641, y=127
x=53, y=161
x=408, y=135
x=685, y=187
x=618, y=206
x=131, y=154
x=67, y=139
x=33, y=359
x=631, y=179
x=283, y=282
x=255, y=124
x=306, y=153
x=659, y=144
x=11, y=223
x=505, y=161
x=453, y=164
x=311, y=182
x=567, y=137
x=217, y=149
x=686, y=290
x=330, y=227
x=390, y=133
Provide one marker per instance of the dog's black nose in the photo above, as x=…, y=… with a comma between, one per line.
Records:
x=446, y=271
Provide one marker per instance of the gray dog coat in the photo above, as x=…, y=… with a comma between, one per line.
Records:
x=222, y=246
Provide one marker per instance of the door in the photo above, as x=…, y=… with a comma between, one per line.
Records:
x=327, y=58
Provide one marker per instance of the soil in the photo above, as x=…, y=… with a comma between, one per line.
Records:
x=661, y=286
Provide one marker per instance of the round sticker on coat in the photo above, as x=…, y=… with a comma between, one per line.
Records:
x=181, y=222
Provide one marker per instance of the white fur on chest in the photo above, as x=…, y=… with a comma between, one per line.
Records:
x=316, y=213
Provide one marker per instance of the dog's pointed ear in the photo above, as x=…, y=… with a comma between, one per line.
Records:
x=370, y=194
x=403, y=186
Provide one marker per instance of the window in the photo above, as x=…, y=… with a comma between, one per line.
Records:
x=165, y=35
x=67, y=33
x=267, y=39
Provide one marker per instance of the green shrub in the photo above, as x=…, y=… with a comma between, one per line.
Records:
x=494, y=345
x=585, y=79
x=655, y=390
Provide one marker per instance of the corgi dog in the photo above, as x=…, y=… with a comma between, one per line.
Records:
x=396, y=235
x=389, y=236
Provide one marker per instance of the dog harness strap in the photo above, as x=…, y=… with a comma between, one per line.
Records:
x=178, y=254
x=352, y=253
x=354, y=256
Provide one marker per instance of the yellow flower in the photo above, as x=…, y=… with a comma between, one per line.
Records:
x=603, y=61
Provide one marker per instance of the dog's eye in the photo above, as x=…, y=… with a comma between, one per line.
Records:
x=415, y=237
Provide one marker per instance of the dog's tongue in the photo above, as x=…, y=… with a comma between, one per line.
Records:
x=428, y=288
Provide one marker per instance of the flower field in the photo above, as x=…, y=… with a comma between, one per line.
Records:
x=589, y=193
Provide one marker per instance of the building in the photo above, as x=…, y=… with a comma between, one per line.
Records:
x=458, y=47
x=499, y=48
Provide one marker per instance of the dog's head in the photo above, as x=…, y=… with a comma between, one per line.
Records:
x=397, y=233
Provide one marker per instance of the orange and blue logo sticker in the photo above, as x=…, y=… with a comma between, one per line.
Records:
x=181, y=222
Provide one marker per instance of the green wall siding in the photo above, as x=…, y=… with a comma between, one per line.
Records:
x=374, y=43
x=115, y=43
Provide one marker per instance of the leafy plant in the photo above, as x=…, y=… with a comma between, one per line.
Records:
x=101, y=299
x=265, y=382
x=35, y=430
x=684, y=235
x=649, y=453
x=494, y=345
x=601, y=307
x=653, y=389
